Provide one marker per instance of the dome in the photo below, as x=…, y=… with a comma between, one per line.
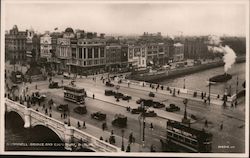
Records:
x=69, y=30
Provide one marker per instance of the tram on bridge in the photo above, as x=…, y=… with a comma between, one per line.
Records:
x=74, y=94
x=184, y=138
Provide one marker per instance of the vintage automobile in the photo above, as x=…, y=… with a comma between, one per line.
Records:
x=150, y=113
x=126, y=97
x=158, y=104
x=109, y=84
x=80, y=110
x=119, y=95
x=151, y=94
x=140, y=101
x=38, y=97
x=53, y=85
x=63, y=108
x=137, y=110
x=109, y=92
x=172, y=108
x=98, y=116
x=66, y=76
x=119, y=121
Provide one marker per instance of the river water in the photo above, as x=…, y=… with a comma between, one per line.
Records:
x=198, y=81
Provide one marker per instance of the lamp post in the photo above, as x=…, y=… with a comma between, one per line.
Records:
x=122, y=140
x=185, y=119
x=184, y=86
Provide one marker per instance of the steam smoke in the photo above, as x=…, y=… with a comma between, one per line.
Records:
x=216, y=47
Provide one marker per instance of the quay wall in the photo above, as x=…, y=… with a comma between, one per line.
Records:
x=157, y=76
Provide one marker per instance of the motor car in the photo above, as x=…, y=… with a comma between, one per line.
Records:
x=109, y=84
x=151, y=94
x=137, y=110
x=119, y=95
x=38, y=97
x=150, y=113
x=109, y=92
x=98, y=116
x=80, y=110
x=140, y=100
x=158, y=105
x=119, y=121
x=53, y=85
x=126, y=97
x=172, y=108
x=63, y=107
x=66, y=76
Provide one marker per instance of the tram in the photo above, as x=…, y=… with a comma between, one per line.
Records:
x=74, y=94
x=184, y=138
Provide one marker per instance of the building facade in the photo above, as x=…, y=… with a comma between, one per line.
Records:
x=178, y=52
x=88, y=53
x=195, y=48
x=46, y=46
x=137, y=56
x=15, y=45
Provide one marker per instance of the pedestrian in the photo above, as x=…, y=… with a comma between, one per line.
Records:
x=101, y=138
x=84, y=124
x=152, y=148
x=46, y=111
x=61, y=115
x=130, y=139
x=78, y=124
x=221, y=126
x=178, y=91
x=37, y=109
x=201, y=95
x=162, y=87
x=50, y=115
x=103, y=126
x=50, y=108
x=93, y=96
x=151, y=126
x=112, y=132
x=128, y=148
x=206, y=124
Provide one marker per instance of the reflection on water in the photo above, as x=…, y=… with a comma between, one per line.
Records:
x=198, y=81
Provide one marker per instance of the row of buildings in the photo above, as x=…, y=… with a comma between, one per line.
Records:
x=77, y=51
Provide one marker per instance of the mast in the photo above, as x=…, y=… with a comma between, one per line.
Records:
x=237, y=82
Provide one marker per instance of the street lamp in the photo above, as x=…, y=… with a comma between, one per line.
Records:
x=122, y=140
x=184, y=84
x=185, y=119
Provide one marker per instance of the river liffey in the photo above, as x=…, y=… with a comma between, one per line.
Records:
x=198, y=81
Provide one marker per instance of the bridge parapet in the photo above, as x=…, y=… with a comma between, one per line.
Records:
x=66, y=133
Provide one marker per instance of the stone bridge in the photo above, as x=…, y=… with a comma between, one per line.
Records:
x=67, y=134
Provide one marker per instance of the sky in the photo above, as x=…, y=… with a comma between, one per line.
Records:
x=130, y=18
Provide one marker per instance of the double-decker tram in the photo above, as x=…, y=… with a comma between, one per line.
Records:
x=74, y=94
x=184, y=138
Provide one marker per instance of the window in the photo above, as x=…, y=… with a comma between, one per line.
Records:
x=96, y=52
x=73, y=52
x=80, y=53
x=89, y=62
x=89, y=53
x=84, y=63
x=84, y=53
x=96, y=62
x=102, y=52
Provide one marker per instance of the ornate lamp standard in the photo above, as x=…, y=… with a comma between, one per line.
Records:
x=185, y=119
